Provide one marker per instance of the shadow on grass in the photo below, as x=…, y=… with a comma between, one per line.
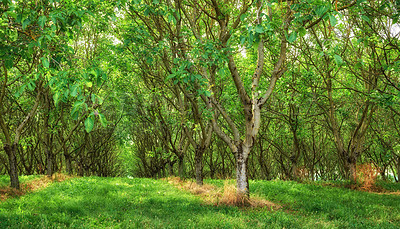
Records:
x=128, y=203
x=348, y=208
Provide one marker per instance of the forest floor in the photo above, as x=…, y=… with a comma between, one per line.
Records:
x=94, y=202
x=28, y=184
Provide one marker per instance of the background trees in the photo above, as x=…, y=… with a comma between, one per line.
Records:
x=254, y=89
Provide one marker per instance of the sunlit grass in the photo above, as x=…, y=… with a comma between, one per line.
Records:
x=94, y=202
x=5, y=180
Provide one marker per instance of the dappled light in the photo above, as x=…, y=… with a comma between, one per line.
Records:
x=221, y=196
x=199, y=114
x=122, y=202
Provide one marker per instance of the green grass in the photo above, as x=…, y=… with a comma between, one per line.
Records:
x=94, y=202
x=5, y=180
x=390, y=186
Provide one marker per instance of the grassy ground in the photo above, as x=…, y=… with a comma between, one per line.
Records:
x=93, y=202
x=5, y=180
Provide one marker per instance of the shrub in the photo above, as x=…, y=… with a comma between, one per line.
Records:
x=367, y=174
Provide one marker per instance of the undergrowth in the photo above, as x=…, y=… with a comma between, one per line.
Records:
x=367, y=176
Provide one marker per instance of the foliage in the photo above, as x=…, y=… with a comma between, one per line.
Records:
x=305, y=90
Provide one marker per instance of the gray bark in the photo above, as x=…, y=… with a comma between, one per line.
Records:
x=242, y=182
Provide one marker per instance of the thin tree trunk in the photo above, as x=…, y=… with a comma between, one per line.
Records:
x=49, y=162
x=171, y=168
x=294, y=158
x=68, y=166
x=353, y=169
x=12, y=160
x=398, y=169
x=181, y=167
x=48, y=153
x=383, y=172
x=198, y=158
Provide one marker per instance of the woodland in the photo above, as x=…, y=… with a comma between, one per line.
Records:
x=301, y=90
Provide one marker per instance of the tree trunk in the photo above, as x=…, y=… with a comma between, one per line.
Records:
x=181, y=167
x=211, y=165
x=68, y=166
x=398, y=169
x=49, y=157
x=294, y=158
x=383, y=173
x=352, y=168
x=198, y=158
x=312, y=173
x=242, y=182
x=294, y=172
x=171, y=168
x=12, y=160
x=80, y=169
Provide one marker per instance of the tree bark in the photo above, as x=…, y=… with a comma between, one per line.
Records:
x=353, y=168
x=398, y=169
x=12, y=161
x=242, y=182
x=294, y=158
x=198, y=157
x=49, y=157
x=68, y=166
x=181, y=166
x=171, y=168
x=48, y=151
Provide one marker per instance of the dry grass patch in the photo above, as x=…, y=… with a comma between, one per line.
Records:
x=396, y=193
x=31, y=186
x=225, y=196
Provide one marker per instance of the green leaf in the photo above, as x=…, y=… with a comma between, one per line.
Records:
x=26, y=23
x=396, y=19
x=9, y=63
x=45, y=62
x=89, y=123
x=89, y=84
x=171, y=18
x=42, y=21
x=74, y=91
x=338, y=60
x=13, y=35
x=365, y=18
x=75, y=114
x=103, y=120
x=333, y=20
x=56, y=98
x=321, y=10
x=292, y=37
x=243, y=17
x=302, y=31
x=259, y=29
x=31, y=86
x=93, y=72
x=207, y=93
x=20, y=91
